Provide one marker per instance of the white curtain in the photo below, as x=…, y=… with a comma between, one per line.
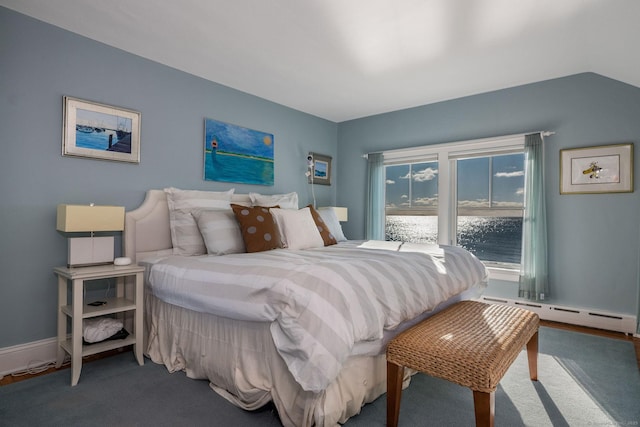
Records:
x=375, y=203
x=534, y=285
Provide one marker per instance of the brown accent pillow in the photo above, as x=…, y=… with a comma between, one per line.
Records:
x=322, y=227
x=259, y=230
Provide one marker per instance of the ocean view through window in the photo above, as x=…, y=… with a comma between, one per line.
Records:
x=492, y=239
x=487, y=194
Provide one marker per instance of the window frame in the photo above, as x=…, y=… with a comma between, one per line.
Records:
x=446, y=155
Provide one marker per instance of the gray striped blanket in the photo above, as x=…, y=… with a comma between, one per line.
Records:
x=320, y=302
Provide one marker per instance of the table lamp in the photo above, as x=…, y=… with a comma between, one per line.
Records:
x=83, y=251
x=341, y=213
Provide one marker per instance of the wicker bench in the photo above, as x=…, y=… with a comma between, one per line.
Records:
x=471, y=344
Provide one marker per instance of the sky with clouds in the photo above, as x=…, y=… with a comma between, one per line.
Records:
x=499, y=179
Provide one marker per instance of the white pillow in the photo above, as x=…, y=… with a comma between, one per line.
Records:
x=285, y=201
x=331, y=220
x=185, y=235
x=297, y=228
x=220, y=231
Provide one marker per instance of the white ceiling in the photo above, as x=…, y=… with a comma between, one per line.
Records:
x=345, y=59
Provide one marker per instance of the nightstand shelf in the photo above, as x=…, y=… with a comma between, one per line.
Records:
x=99, y=347
x=113, y=305
x=127, y=305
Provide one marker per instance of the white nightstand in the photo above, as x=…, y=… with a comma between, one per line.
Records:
x=78, y=310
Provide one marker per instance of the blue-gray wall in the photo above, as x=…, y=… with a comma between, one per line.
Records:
x=593, y=239
x=39, y=64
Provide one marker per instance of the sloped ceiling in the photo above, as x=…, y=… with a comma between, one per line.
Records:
x=345, y=59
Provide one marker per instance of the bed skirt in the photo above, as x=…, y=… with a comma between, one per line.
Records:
x=241, y=363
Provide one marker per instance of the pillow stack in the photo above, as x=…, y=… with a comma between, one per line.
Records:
x=185, y=234
x=221, y=223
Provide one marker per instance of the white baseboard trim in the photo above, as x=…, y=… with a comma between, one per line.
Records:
x=575, y=316
x=21, y=357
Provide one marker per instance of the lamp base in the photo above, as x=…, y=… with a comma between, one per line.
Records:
x=85, y=251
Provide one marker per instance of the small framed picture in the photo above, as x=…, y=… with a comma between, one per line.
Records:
x=601, y=169
x=99, y=131
x=320, y=169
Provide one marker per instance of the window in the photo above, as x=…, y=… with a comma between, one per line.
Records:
x=469, y=194
x=412, y=202
x=490, y=201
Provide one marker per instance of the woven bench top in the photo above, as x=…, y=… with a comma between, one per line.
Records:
x=470, y=343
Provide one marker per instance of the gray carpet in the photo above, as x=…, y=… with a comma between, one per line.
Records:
x=584, y=380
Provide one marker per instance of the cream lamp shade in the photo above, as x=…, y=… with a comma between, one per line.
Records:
x=341, y=213
x=83, y=251
x=79, y=218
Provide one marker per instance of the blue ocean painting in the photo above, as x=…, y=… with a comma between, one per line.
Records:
x=100, y=131
x=237, y=154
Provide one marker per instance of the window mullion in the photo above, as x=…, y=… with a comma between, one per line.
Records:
x=453, y=202
x=444, y=199
x=490, y=181
x=411, y=185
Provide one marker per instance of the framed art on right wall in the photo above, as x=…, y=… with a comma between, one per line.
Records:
x=601, y=169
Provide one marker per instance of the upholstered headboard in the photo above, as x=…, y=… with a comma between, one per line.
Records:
x=146, y=228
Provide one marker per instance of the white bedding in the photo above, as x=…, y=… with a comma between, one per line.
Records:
x=321, y=302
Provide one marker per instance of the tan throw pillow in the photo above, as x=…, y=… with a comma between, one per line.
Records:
x=326, y=235
x=259, y=230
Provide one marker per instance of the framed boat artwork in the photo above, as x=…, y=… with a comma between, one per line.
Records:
x=100, y=131
x=237, y=154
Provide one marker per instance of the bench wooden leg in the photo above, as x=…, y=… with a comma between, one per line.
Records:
x=532, y=356
x=485, y=406
x=395, y=375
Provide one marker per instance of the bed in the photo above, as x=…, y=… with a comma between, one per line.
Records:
x=303, y=327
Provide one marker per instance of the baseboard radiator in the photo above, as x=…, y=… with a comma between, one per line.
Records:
x=574, y=316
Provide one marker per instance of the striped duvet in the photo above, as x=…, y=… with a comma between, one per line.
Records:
x=320, y=302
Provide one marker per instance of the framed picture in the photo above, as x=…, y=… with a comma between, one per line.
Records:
x=602, y=169
x=99, y=131
x=321, y=169
x=237, y=154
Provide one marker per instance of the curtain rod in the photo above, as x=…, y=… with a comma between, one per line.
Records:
x=399, y=150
